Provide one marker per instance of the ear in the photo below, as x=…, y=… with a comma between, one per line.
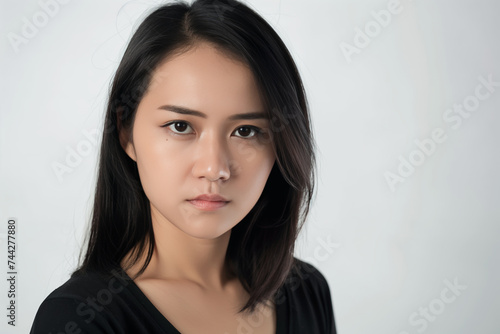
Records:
x=125, y=137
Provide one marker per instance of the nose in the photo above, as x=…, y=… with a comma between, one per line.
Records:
x=211, y=159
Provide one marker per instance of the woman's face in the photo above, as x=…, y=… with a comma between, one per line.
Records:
x=196, y=132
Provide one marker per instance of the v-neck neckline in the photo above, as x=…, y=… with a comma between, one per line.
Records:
x=163, y=322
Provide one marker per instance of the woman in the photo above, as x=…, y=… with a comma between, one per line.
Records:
x=205, y=178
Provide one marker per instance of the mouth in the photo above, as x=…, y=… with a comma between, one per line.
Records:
x=209, y=202
x=208, y=205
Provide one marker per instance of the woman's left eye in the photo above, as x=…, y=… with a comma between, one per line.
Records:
x=248, y=131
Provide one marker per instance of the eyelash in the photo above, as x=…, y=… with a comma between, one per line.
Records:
x=258, y=131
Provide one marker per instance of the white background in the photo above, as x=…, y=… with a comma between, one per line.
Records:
x=391, y=250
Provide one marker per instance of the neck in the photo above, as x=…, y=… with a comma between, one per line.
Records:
x=181, y=257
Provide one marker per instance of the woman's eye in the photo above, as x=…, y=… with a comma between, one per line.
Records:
x=181, y=128
x=247, y=131
x=178, y=127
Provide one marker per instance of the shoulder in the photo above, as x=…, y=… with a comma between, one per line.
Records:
x=306, y=297
x=307, y=270
x=306, y=276
x=90, y=285
x=81, y=305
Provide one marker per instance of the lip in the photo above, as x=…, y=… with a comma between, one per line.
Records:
x=210, y=198
x=209, y=202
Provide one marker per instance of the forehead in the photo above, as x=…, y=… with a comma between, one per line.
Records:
x=203, y=78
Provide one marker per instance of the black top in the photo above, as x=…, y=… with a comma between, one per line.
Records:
x=95, y=303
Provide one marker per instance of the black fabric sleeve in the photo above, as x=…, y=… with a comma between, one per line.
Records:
x=320, y=291
x=66, y=315
x=327, y=304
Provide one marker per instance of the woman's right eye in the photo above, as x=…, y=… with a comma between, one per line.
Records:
x=177, y=127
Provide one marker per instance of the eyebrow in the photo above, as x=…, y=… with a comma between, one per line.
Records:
x=186, y=111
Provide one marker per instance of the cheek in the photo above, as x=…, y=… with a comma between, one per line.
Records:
x=257, y=158
x=161, y=166
x=253, y=166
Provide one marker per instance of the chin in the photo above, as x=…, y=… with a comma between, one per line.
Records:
x=204, y=232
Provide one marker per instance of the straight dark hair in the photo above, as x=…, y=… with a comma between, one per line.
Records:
x=261, y=247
